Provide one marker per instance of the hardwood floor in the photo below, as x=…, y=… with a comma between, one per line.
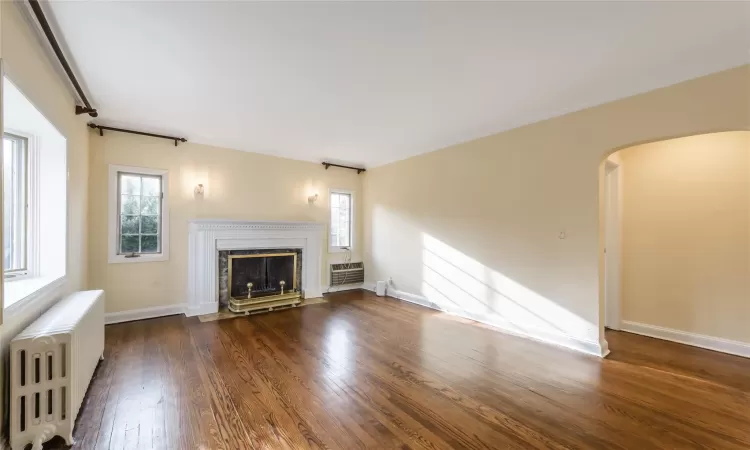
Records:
x=367, y=372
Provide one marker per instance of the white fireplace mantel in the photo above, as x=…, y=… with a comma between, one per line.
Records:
x=207, y=236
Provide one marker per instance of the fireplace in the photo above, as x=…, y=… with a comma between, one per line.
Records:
x=211, y=240
x=256, y=279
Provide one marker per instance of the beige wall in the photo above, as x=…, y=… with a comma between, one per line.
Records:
x=686, y=234
x=238, y=185
x=27, y=65
x=498, y=206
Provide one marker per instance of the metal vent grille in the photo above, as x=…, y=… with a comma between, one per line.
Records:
x=347, y=273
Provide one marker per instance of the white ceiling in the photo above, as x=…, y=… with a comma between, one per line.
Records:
x=374, y=82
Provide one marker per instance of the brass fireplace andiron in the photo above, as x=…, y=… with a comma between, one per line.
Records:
x=269, y=302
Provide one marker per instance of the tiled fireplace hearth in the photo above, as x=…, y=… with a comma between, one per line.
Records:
x=209, y=239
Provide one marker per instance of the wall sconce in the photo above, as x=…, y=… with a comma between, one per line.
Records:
x=198, y=190
x=312, y=199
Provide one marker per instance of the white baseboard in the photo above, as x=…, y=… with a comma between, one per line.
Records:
x=589, y=347
x=604, y=348
x=145, y=313
x=201, y=309
x=683, y=337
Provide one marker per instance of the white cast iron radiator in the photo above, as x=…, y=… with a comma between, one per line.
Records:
x=51, y=365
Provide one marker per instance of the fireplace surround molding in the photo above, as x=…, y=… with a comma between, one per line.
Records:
x=206, y=237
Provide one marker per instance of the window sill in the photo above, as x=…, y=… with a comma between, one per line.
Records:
x=17, y=294
x=338, y=249
x=117, y=259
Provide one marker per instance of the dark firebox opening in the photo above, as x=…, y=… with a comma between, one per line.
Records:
x=265, y=272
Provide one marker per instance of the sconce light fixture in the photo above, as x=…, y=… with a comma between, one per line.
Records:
x=198, y=190
x=312, y=199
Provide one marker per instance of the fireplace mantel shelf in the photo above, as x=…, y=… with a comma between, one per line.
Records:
x=207, y=236
x=213, y=224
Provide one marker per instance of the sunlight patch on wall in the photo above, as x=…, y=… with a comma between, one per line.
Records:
x=457, y=283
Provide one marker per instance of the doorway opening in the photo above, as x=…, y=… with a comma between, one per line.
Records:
x=676, y=241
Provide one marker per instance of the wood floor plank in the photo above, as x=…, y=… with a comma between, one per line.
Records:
x=368, y=372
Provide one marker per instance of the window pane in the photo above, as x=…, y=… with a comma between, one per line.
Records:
x=130, y=184
x=150, y=205
x=149, y=244
x=14, y=202
x=151, y=186
x=129, y=244
x=140, y=208
x=129, y=224
x=334, y=224
x=340, y=220
x=130, y=204
x=149, y=224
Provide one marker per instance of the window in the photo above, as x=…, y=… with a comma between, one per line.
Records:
x=15, y=193
x=341, y=221
x=138, y=210
x=35, y=205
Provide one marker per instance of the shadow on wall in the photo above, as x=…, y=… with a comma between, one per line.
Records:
x=451, y=280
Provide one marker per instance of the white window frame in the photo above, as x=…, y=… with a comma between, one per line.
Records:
x=47, y=275
x=352, y=221
x=32, y=208
x=113, y=221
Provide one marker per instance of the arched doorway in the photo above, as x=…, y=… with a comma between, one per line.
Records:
x=676, y=240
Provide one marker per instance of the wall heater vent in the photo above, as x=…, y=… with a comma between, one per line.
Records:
x=347, y=273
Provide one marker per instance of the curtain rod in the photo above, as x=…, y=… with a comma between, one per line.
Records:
x=101, y=129
x=358, y=169
x=86, y=109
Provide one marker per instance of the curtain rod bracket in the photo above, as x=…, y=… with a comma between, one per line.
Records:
x=85, y=110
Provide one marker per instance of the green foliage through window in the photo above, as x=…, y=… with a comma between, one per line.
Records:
x=140, y=198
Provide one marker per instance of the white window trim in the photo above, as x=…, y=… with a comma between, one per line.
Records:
x=32, y=209
x=352, y=221
x=27, y=292
x=112, y=226
x=31, y=295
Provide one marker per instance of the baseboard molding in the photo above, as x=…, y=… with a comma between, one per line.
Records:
x=201, y=309
x=683, y=337
x=589, y=347
x=145, y=313
x=604, y=348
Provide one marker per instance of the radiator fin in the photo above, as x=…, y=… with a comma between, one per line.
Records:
x=37, y=369
x=22, y=366
x=22, y=413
